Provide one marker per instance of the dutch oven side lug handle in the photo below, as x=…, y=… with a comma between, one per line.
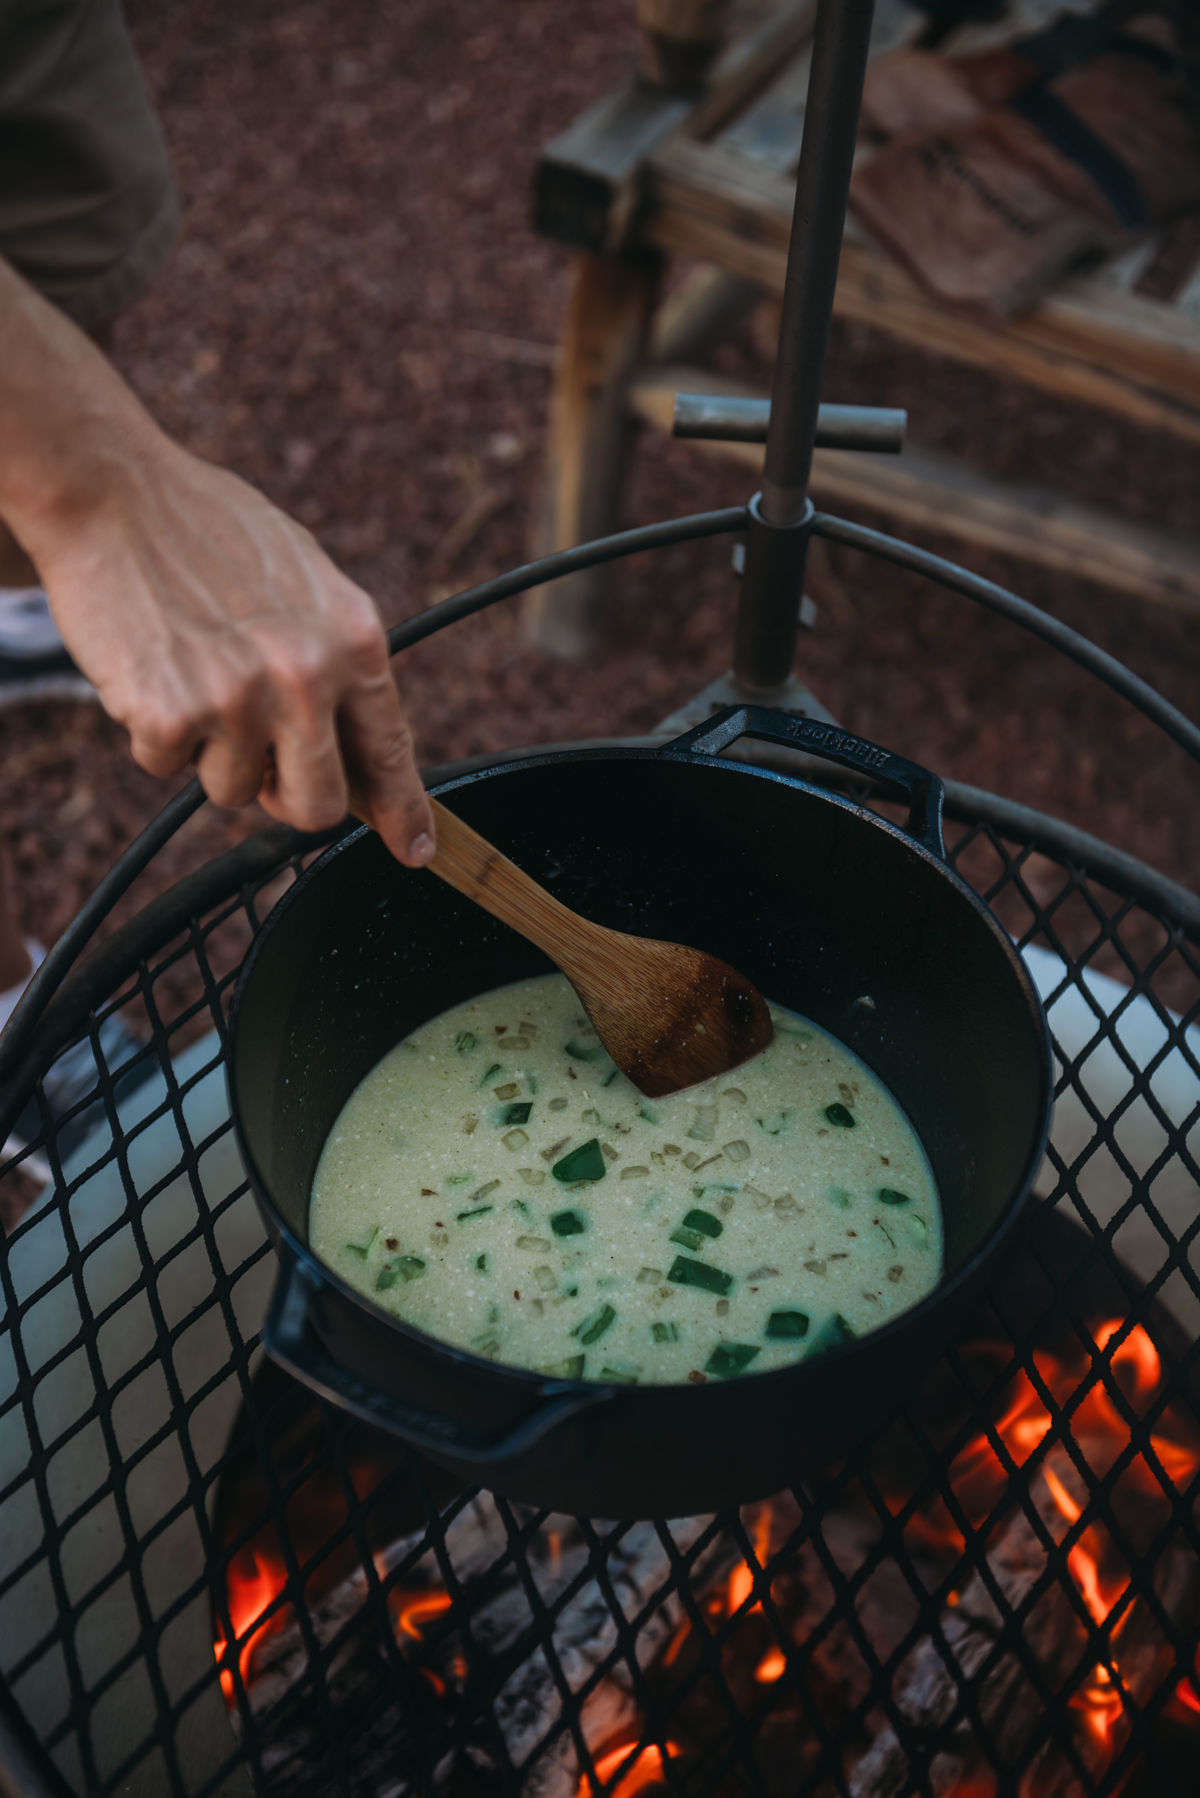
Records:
x=293, y=1344
x=900, y=778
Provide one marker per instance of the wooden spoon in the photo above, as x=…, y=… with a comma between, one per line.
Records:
x=669, y=1016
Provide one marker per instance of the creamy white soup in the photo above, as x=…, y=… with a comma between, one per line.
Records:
x=496, y=1182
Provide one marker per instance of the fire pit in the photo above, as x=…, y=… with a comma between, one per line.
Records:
x=207, y=1574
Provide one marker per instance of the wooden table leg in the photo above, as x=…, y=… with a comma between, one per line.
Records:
x=604, y=340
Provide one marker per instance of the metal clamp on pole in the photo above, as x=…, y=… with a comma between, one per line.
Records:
x=724, y=418
x=781, y=515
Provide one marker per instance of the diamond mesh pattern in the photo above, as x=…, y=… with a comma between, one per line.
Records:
x=927, y=1617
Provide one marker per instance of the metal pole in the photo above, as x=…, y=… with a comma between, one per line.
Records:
x=780, y=516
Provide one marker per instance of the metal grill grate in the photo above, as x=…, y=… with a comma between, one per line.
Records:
x=143, y=1456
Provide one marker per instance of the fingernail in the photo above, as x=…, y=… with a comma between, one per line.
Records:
x=421, y=850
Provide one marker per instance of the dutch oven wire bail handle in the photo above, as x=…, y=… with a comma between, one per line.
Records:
x=894, y=774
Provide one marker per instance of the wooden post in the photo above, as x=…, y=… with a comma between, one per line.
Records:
x=680, y=38
x=604, y=340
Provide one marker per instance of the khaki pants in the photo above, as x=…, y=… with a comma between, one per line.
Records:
x=88, y=207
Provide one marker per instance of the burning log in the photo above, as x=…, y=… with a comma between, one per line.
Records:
x=343, y=1625
x=930, y=1690
x=1011, y=1710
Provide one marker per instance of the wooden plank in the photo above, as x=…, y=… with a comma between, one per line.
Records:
x=1187, y=297
x=700, y=314
x=604, y=339
x=770, y=129
x=706, y=201
x=941, y=493
x=588, y=182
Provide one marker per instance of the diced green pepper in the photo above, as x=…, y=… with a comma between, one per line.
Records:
x=730, y=1358
x=786, y=1326
x=465, y=1041
x=486, y=1079
x=618, y=1376
x=567, y=1223
x=687, y=1239
x=516, y=1113
x=479, y=1211
x=837, y=1114
x=481, y=1264
x=406, y=1268
x=584, y=1163
x=664, y=1332
x=683, y=1272
x=888, y=1195
x=834, y=1333
x=593, y=1327
x=704, y=1221
x=570, y=1369
x=363, y=1249
x=459, y=1179
x=584, y=1051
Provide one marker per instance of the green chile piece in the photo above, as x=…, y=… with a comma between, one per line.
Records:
x=465, y=1041
x=567, y=1223
x=887, y=1195
x=404, y=1269
x=593, y=1327
x=362, y=1249
x=786, y=1326
x=730, y=1358
x=664, y=1332
x=618, y=1376
x=584, y=1163
x=486, y=1079
x=837, y=1114
x=835, y=1332
x=516, y=1113
x=687, y=1239
x=705, y=1222
x=570, y=1369
x=479, y=1211
x=683, y=1272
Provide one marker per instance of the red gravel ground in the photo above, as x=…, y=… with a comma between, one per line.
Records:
x=357, y=185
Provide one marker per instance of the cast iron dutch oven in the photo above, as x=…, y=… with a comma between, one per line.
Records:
x=828, y=908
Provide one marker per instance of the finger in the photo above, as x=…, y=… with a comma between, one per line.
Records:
x=378, y=747
x=232, y=769
x=305, y=784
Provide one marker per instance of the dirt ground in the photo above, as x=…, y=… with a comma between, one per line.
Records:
x=359, y=319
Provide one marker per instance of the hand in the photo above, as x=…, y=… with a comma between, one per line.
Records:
x=217, y=631
x=212, y=625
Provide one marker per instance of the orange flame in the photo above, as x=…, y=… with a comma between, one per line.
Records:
x=741, y=1580
x=411, y=1616
x=645, y=1767
x=250, y=1596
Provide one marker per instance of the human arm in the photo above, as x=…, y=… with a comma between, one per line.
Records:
x=213, y=626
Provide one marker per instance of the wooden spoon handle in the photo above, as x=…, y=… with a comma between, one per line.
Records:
x=468, y=862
